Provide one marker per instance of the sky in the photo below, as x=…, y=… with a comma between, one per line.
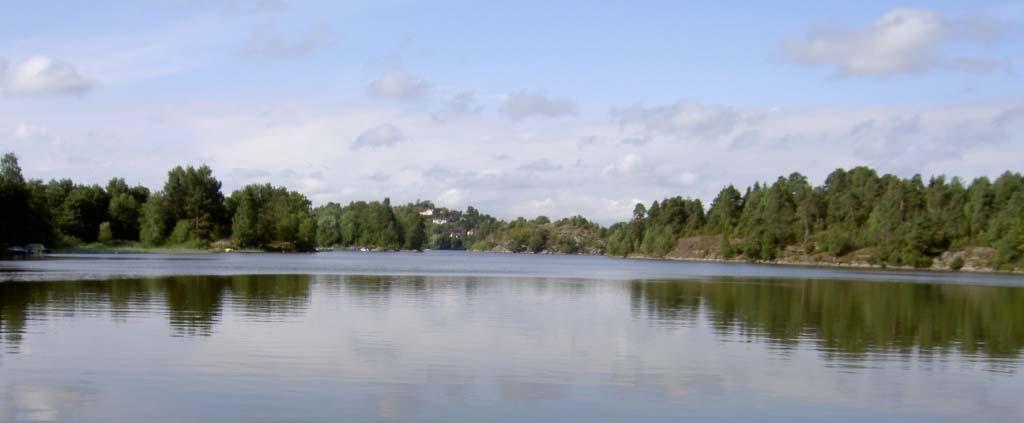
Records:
x=522, y=108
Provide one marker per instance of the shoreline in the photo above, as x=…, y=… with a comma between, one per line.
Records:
x=795, y=263
x=826, y=265
x=798, y=263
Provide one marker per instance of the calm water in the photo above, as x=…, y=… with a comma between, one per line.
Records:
x=493, y=337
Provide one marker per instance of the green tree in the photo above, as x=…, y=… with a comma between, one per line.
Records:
x=124, y=214
x=14, y=197
x=725, y=210
x=265, y=215
x=105, y=233
x=193, y=194
x=155, y=221
x=82, y=212
x=328, y=225
x=414, y=228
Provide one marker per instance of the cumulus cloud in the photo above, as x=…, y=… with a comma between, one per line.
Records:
x=378, y=176
x=892, y=138
x=905, y=142
x=687, y=178
x=244, y=173
x=745, y=139
x=625, y=166
x=587, y=141
x=398, y=85
x=28, y=132
x=527, y=105
x=464, y=103
x=681, y=118
x=542, y=165
x=504, y=167
x=267, y=41
x=380, y=136
x=453, y=197
x=903, y=40
x=460, y=104
x=41, y=75
x=635, y=141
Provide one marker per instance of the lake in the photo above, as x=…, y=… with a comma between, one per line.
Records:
x=449, y=336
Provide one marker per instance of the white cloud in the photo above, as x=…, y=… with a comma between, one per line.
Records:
x=635, y=141
x=460, y=104
x=463, y=103
x=587, y=141
x=625, y=166
x=542, y=165
x=453, y=197
x=385, y=135
x=267, y=41
x=542, y=160
x=29, y=132
x=687, y=178
x=903, y=40
x=41, y=75
x=682, y=118
x=244, y=173
x=398, y=85
x=526, y=105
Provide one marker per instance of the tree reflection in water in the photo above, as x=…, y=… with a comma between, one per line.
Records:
x=843, y=319
x=846, y=318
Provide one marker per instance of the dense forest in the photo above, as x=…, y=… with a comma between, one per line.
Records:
x=893, y=221
x=192, y=212
x=885, y=219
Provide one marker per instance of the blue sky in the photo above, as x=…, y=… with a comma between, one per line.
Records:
x=519, y=108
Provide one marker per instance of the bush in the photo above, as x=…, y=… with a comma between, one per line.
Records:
x=105, y=233
x=181, y=234
x=725, y=248
x=538, y=240
x=957, y=264
x=838, y=242
x=913, y=258
x=567, y=244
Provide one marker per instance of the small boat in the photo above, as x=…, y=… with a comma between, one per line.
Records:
x=364, y=249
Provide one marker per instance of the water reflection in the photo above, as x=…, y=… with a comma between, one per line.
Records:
x=443, y=348
x=848, y=318
x=193, y=304
x=843, y=319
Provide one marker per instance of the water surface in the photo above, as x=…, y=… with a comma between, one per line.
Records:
x=487, y=337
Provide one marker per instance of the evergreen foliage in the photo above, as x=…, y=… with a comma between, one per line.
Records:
x=893, y=220
x=900, y=222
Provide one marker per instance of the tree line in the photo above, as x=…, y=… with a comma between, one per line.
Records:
x=191, y=211
x=897, y=221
